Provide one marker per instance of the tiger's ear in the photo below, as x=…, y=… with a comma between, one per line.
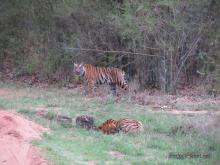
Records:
x=82, y=64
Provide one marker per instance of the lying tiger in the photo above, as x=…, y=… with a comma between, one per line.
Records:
x=124, y=125
x=101, y=75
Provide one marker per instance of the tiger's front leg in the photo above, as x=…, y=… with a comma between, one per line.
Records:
x=90, y=86
x=85, y=88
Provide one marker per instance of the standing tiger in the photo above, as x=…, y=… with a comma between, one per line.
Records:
x=101, y=75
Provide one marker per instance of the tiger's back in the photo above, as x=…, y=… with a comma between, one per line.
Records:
x=127, y=125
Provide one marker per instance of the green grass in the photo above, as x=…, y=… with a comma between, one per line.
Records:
x=72, y=145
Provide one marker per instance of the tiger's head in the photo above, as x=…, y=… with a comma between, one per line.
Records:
x=79, y=69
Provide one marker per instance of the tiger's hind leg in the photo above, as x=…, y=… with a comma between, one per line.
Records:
x=113, y=89
x=95, y=88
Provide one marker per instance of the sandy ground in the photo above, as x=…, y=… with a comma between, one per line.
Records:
x=16, y=134
x=5, y=93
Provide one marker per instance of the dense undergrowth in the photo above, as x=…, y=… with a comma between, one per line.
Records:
x=176, y=42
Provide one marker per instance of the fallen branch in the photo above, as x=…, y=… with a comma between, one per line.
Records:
x=110, y=51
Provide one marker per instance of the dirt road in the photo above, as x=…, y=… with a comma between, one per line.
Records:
x=16, y=133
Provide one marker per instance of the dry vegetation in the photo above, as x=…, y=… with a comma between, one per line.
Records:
x=160, y=44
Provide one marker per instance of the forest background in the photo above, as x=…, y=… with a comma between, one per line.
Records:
x=164, y=44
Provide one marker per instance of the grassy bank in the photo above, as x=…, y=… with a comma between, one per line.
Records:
x=67, y=144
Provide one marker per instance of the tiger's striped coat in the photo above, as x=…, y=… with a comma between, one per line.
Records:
x=108, y=127
x=125, y=125
x=101, y=75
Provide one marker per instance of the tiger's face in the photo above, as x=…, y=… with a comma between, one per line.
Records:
x=79, y=69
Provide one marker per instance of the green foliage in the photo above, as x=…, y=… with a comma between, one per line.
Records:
x=51, y=115
x=27, y=112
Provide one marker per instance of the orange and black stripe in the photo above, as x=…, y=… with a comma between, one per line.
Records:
x=129, y=125
x=102, y=75
x=108, y=127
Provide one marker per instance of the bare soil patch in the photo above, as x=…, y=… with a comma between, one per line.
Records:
x=186, y=101
x=7, y=93
x=186, y=112
x=116, y=154
x=16, y=133
x=183, y=103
